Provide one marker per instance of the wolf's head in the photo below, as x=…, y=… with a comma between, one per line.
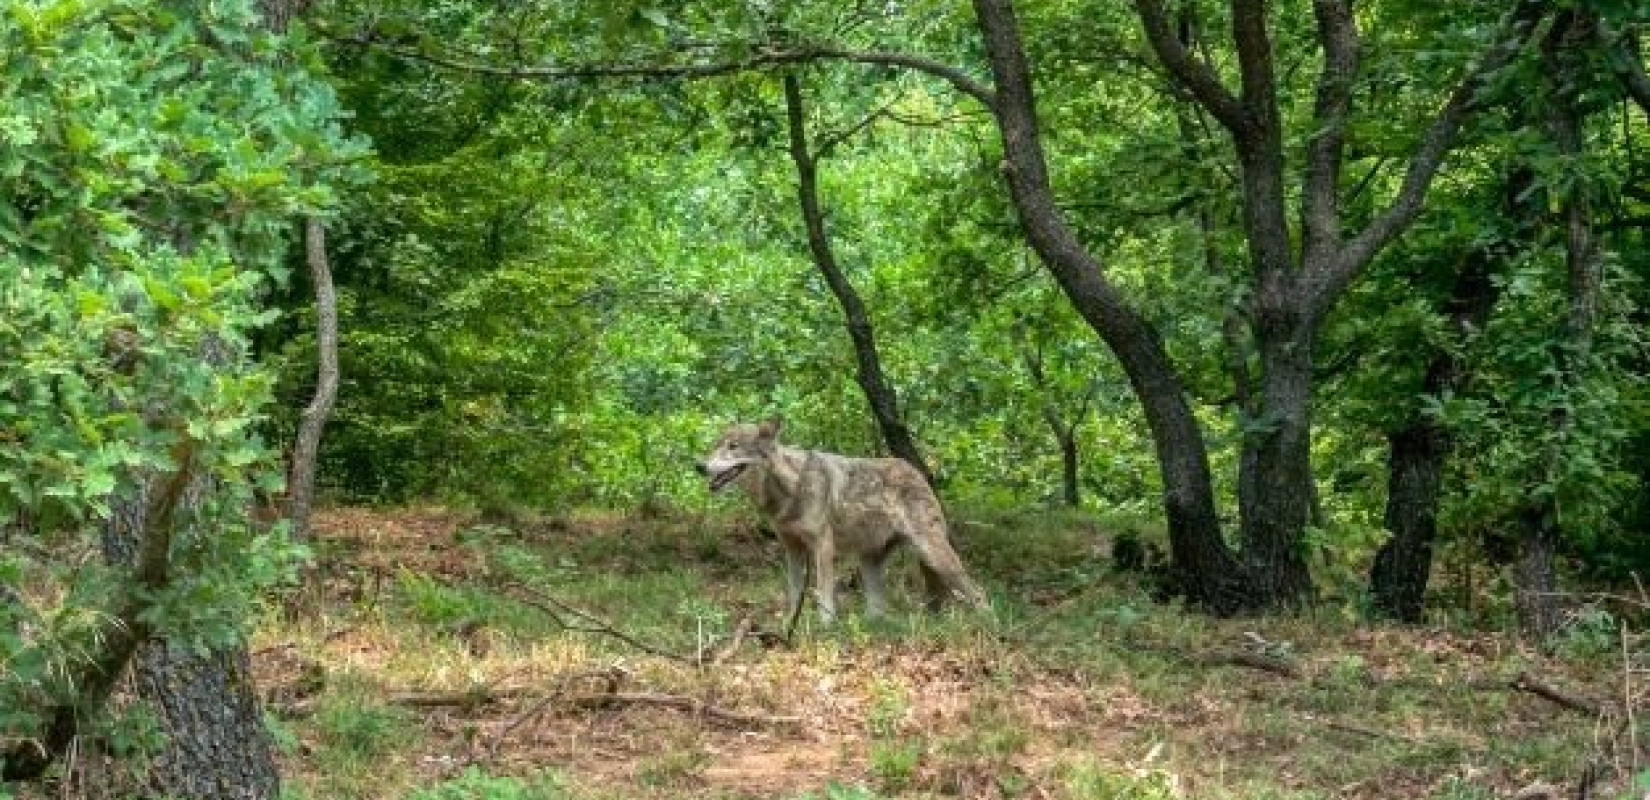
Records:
x=740, y=446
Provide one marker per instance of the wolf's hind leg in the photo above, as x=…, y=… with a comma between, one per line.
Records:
x=824, y=552
x=943, y=572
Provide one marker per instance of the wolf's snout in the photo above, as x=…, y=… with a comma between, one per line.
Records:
x=699, y=467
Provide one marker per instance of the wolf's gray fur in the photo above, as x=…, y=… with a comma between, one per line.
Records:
x=820, y=503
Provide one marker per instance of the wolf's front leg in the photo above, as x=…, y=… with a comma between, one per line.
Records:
x=824, y=551
x=870, y=574
x=796, y=577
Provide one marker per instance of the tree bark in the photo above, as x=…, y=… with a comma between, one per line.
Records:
x=1535, y=577
x=301, y=476
x=1420, y=447
x=879, y=393
x=1068, y=472
x=1204, y=567
x=216, y=747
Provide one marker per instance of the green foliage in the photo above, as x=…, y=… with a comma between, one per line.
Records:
x=155, y=155
x=1101, y=782
x=356, y=729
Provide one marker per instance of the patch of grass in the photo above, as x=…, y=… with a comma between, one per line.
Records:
x=674, y=768
x=1092, y=780
x=839, y=791
x=894, y=762
x=360, y=743
x=475, y=784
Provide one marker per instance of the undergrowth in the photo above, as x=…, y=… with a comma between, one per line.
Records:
x=1077, y=685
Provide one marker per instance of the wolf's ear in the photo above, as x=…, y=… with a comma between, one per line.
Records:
x=769, y=427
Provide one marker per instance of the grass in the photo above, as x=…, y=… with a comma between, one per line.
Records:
x=1078, y=686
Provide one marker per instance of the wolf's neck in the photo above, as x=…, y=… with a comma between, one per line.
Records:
x=777, y=480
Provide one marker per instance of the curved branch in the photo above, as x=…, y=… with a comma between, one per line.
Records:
x=1195, y=75
x=761, y=58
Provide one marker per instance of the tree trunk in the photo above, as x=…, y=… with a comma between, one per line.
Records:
x=1068, y=462
x=149, y=519
x=879, y=393
x=1204, y=567
x=301, y=476
x=1420, y=447
x=216, y=747
x=1415, y=468
x=1275, y=473
x=1535, y=577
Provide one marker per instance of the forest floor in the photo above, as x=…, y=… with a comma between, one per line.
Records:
x=439, y=659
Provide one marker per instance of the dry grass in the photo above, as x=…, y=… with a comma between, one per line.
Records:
x=1087, y=690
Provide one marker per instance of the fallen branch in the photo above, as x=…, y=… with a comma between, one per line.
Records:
x=1227, y=658
x=691, y=704
x=1250, y=659
x=468, y=699
x=1372, y=733
x=560, y=610
x=1525, y=682
x=614, y=676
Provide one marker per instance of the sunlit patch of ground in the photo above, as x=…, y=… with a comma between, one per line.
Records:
x=419, y=661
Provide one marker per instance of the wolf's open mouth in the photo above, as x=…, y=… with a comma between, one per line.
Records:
x=725, y=477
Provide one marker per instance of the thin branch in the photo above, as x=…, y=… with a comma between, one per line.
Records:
x=559, y=610
x=829, y=141
x=692, y=705
x=1196, y=76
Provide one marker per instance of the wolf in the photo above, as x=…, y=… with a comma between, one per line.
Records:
x=820, y=503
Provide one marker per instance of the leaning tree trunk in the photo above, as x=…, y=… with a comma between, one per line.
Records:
x=1203, y=567
x=879, y=393
x=301, y=476
x=216, y=747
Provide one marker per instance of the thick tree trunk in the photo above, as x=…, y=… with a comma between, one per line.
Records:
x=879, y=393
x=149, y=519
x=1276, y=475
x=1204, y=567
x=301, y=476
x=216, y=747
x=1535, y=594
